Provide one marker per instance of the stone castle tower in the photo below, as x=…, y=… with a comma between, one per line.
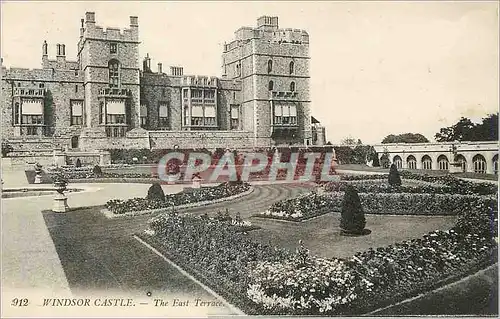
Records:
x=273, y=67
x=112, y=106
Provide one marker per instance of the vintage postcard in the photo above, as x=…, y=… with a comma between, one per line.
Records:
x=170, y=159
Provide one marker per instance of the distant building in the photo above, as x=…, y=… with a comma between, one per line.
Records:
x=104, y=100
x=476, y=157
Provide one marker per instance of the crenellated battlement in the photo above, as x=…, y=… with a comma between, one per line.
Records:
x=268, y=30
x=93, y=31
x=46, y=74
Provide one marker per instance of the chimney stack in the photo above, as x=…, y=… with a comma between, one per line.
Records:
x=134, y=21
x=160, y=68
x=44, y=48
x=90, y=17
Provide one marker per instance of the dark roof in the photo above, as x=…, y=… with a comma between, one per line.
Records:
x=314, y=120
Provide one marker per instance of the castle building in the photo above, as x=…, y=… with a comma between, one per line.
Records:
x=107, y=99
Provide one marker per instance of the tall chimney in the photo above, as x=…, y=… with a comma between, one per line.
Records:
x=134, y=21
x=159, y=68
x=44, y=48
x=58, y=49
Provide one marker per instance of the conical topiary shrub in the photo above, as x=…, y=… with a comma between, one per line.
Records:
x=376, y=162
x=394, y=178
x=97, y=171
x=352, y=216
x=155, y=192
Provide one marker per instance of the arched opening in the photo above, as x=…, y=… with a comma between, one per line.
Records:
x=426, y=162
x=463, y=162
x=495, y=164
x=479, y=164
x=292, y=67
x=271, y=85
x=443, y=162
x=292, y=87
x=411, y=162
x=114, y=73
x=269, y=66
x=397, y=161
x=74, y=142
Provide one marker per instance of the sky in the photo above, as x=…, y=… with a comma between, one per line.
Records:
x=377, y=68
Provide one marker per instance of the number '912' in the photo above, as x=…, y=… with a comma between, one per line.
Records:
x=17, y=302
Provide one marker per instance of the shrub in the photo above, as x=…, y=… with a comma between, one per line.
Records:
x=376, y=162
x=78, y=163
x=394, y=178
x=352, y=215
x=97, y=171
x=155, y=193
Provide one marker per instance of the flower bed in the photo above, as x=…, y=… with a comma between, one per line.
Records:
x=261, y=279
x=223, y=190
x=445, y=184
x=313, y=204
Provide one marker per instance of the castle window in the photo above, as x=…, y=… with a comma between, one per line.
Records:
x=76, y=88
x=76, y=72
x=269, y=66
x=114, y=73
x=271, y=85
x=163, y=114
x=292, y=86
x=113, y=48
x=185, y=93
x=41, y=85
x=163, y=94
x=16, y=113
x=144, y=115
x=101, y=113
x=235, y=117
x=76, y=112
x=292, y=67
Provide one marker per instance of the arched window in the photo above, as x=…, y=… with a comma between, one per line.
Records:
x=114, y=73
x=479, y=164
x=269, y=66
x=271, y=85
x=292, y=67
x=397, y=161
x=443, y=162
x=411, y=161
x=495, y=164
x=426, y=162
x=461, y=159
x=292, y=87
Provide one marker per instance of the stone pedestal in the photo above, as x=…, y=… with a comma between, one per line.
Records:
x=197, y=183
x=60, y=203
x=38, y=178
x=455, y=167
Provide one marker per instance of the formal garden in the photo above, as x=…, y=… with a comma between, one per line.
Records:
x=262, y=278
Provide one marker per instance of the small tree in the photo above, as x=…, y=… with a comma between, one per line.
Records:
x=155, y=192
x=97, y=171
x=352, y=215
x=394, y=178
x=376, y=162
x=78, y=163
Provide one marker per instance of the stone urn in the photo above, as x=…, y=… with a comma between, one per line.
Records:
x=38, y=174
x=60, y=200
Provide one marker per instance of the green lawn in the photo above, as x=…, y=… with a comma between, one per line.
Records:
x=321, y=235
